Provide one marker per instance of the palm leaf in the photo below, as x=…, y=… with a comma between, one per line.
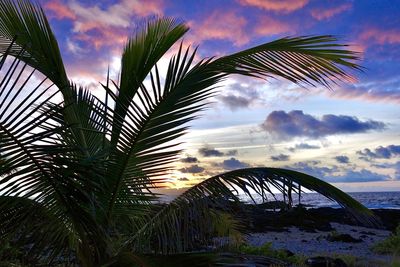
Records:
x=145, y=146
x=140, y=55
x=44, y=170
x=308, y=60
x=185, y=222
x=26, y=24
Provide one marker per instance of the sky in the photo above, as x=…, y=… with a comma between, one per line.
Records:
x=347, y=135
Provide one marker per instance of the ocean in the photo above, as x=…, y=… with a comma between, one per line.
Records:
x=372, y=200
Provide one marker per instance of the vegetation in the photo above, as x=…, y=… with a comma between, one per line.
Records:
x=78, y=173
x=269, y=251
x=390, y=245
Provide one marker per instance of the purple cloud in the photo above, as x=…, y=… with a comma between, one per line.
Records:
x=380, y=152
x=234, y=102
x=303, y=146
x=211, y=152
x=280, y=157
x=335, y=175
x=192, y=169
x=232, y=164
x=297, y=124
x=189, y=159
x=342, y=159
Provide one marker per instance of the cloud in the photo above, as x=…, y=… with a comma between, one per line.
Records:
x=342, y=159
x=280, y=157
x=297, y=124
x=59, y=10
x=351, y=176
x=241, y=94
x=99, y=25
x=75, y=48
x=335, y=175
x=312, y=168
x=221, y=25
x=327, y=13
x=283, y=6
x=192, y=169
x=233, y=164
x=380, y=152
x=267, y=25
x=383, y=90
x=211, y=152
x=189, y=159
x=234, y=102
x=374, y=35
x=232, y=152
x=303, y=146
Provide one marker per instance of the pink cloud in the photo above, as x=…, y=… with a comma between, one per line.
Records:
x=104, y=36
x=323, y=14
x=59, y=10
x=284, y=6
x=104, y=26
x=380, y=36
x=369, y=93
x=269, y=26
x=226, y=25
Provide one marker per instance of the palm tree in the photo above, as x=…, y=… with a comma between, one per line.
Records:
x=84, y=168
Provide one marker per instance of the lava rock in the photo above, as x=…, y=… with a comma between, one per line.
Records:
x=325, y=262
x=342, y=238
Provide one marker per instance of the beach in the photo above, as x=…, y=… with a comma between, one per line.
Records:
x=325, y=231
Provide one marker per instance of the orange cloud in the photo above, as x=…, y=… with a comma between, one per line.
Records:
x=380, y=36
x=284, y=6
x=59, y=10
x=225, y=25
x=269, y=26
x=322, y=14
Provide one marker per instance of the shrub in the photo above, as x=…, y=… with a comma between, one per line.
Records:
x=390, y=245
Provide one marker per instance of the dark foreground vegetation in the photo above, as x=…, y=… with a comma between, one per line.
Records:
x=256, y=219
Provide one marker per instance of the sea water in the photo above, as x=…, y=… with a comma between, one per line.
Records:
x=372, y=200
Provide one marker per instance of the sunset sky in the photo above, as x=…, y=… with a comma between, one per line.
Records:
x=349, y=135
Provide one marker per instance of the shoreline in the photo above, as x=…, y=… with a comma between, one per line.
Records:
x=312, y=244
x=308, y=232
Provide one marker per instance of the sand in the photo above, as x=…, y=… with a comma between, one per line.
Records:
x=316, y=244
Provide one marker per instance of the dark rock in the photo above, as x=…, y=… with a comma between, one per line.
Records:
x=367, y=233
x=342, y=238
x=325, y=262
x=262, y=219
x=339, y=263
x=307, y=229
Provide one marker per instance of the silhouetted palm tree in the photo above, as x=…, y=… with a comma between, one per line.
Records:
x=84, y=168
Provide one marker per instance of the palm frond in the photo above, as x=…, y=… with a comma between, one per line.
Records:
x=308, y=60
x=185, y=222
x=44, y=170
x=140, y=55
x=24, y=25
x=145, y=147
